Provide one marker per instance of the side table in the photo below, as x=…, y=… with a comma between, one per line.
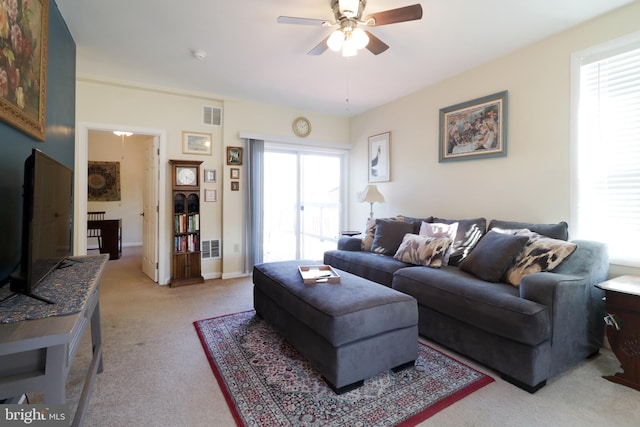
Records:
x=623, y=330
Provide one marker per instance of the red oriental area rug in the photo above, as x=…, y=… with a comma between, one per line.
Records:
x=267, y=383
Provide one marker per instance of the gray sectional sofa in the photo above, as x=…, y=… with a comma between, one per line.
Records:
x=528, y=331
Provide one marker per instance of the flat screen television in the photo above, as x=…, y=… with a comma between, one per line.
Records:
x=46, y=221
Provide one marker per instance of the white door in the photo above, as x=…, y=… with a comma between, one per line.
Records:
x=150, y=210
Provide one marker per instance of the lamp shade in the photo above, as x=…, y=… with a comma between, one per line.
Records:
x=371, y=195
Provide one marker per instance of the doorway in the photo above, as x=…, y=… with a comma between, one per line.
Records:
x=154, y=266
x=303, y=193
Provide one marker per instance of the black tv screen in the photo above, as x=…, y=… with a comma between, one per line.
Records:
x=46, y=220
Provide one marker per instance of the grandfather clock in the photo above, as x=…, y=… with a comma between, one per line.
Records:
x=186, y=269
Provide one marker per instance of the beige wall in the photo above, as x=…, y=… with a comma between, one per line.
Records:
x=102, y=104
x=533, y=182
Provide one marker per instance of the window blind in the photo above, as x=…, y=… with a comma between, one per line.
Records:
x=608, y=153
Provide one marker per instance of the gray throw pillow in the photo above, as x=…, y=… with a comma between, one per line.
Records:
x=558, y=231
x=389, y=235
x=493, y=255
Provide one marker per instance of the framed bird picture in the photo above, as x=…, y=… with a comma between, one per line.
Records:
x=380, y=157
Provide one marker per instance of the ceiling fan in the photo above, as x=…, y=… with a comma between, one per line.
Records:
x=349, y=37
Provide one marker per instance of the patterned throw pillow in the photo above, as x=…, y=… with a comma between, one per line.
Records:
x=422, y=250
x=440, y=230
x=470, y=231
x=369, y=233
x=539, y=254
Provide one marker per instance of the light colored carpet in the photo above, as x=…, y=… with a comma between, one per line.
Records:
x=157, y=374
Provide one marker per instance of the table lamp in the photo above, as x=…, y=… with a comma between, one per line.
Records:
x=370, y=195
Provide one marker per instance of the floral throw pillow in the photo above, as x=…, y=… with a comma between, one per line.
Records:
x=440, y=230
x=423, y=250
x=540, y=253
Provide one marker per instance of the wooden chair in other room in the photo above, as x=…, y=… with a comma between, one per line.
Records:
x=93, y=231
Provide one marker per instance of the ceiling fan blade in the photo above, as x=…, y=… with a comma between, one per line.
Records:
x=402, y=14
x=320, y=47
x=303, y=21
x=376, y=46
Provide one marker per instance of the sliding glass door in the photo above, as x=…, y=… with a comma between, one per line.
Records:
x=303, y=193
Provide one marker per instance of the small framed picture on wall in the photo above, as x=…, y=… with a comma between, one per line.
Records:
x=210, y=195
x=235, y=186
x=235, y=173
x=209, y=175
x=234, y=156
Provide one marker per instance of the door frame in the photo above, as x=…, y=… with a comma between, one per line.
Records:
x=81, y=197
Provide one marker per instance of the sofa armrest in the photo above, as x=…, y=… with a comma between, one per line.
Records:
x=543, y=288
x=569, y=292
x=350, y=243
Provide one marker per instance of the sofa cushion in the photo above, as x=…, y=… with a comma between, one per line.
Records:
x=555, y=231
x=493, y=255
x=377, y=268
x=539, y=254
x=493, y=307
x=440, y=230
x=389, y=235
x=417, y=222
x=469, y=233
x=423, y=250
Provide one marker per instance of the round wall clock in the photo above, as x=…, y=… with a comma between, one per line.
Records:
x=302, y=127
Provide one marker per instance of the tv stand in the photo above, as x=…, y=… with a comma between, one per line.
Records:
x=37, y=354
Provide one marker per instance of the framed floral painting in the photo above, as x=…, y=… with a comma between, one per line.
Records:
x=23, y=65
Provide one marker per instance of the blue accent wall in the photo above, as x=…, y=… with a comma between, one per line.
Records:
x=15, y=146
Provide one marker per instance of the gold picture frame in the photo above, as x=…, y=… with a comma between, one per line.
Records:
x=197, y=143
x=234, y=156
x=234, y=173
x=23, y=101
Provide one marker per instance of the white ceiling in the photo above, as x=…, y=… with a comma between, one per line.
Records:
x=251, y=56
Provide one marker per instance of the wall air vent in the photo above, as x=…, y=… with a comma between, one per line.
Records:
x=211, y=116
x=210, y=249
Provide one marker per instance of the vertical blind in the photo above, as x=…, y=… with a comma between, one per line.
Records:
x=608, y=153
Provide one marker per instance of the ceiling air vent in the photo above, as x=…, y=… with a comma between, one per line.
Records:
x=211, y=116
x=210, y=249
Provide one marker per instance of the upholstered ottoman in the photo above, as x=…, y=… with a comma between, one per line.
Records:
x=349, y=331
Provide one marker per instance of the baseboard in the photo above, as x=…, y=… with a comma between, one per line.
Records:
x=235, y=275
x=208, y=276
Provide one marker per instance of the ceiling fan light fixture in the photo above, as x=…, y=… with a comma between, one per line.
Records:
x=359, y=38
x=349, y=49
x=336, y=40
